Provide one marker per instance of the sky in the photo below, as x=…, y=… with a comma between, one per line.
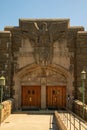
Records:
x=12, y=10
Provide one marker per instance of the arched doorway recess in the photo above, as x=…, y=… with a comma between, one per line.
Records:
x=51, y=83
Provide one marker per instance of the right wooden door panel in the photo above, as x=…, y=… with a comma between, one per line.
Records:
x=56, y=97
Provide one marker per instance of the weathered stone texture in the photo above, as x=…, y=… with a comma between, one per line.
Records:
x=7, y=107
x=81, y=57
x=52, y=43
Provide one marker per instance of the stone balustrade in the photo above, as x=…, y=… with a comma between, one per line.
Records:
x=60, y=123
x=6, y=109
x=78, y=109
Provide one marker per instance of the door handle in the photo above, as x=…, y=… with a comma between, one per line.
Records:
x=30, y=99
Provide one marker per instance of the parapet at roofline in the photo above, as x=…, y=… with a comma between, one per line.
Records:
x=44, y=19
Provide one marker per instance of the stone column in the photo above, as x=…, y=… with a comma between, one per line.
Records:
x=17, y=95
x=69, y=95
x=43, y=97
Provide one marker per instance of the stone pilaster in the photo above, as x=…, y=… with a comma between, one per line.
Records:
x=43, y=97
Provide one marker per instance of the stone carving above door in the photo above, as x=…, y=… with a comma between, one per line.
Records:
x=42, y=36
x=40, y=77
x=61, y=54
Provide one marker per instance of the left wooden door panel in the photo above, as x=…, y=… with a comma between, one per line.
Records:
x=31, y=96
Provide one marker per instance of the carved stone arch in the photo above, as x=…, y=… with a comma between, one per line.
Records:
x=55, y=75
x=57, y=69
x=27, y=69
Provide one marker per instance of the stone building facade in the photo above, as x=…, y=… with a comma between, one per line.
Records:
x=42, y=60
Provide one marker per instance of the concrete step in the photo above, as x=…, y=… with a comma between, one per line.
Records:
x=34, y=112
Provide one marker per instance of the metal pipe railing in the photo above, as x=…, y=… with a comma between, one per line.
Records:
x=72, y=121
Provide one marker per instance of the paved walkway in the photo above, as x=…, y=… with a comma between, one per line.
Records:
x=26, y=121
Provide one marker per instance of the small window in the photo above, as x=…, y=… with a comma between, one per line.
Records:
x=33, y=92
x=53, y=92
x=28, y=91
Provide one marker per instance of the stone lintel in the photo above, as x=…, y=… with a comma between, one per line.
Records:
x=10, y=28
x=77, y=28
x=64, y=21
x=43, y=19
x=82, y=35
x=5, y=34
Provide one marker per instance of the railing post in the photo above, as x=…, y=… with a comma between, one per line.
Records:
x=79, y=125
x=70, y=121
x=67, y=119
x=62, y=117
x=74, y=122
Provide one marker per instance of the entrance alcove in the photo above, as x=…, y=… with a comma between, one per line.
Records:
x=36, y=86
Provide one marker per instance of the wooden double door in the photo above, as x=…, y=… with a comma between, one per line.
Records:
x=56, y=97
x=31, y=97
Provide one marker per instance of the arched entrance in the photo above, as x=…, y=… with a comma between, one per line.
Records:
x=35, y=88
